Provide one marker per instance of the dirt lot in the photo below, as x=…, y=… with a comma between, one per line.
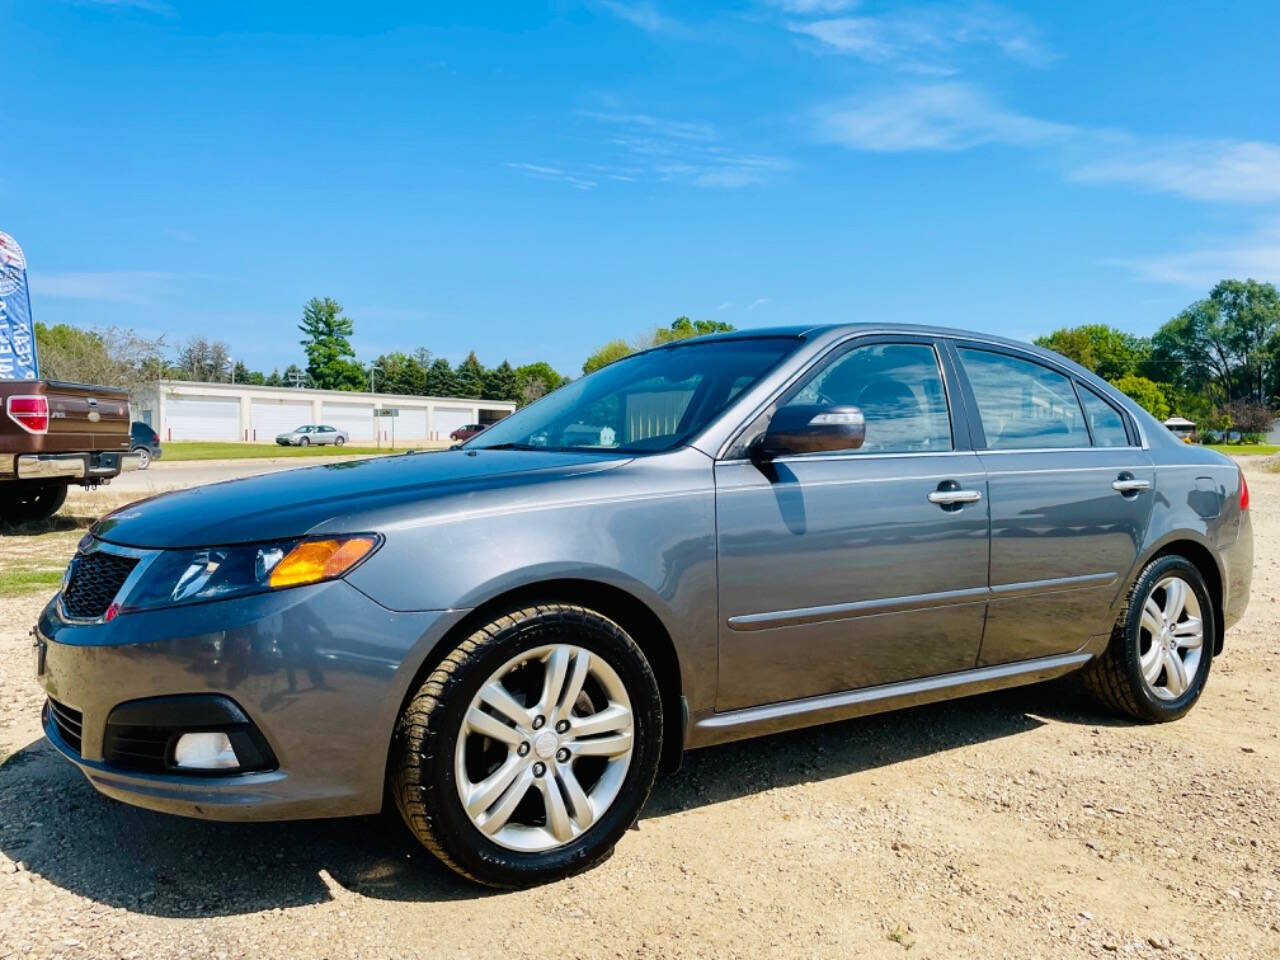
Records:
x=1022, y=824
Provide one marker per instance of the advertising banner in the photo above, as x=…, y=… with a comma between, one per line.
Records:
x=17, y=331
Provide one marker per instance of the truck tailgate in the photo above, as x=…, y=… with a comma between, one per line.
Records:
x=81, y=418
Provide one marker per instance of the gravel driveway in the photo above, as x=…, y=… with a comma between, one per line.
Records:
x=1019, y=824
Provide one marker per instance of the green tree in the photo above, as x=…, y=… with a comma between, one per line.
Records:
x=536, y=380
x=242, y=374
x=681, y=329
x=1146, y=393
x=273, y=379
x=1108, y=352
x=331, y=363
x=440, y=381
x=610, y=352
x=470, y=376
x=400, y=373
x=500, y=383
x=1224, y=346
x=112, y=356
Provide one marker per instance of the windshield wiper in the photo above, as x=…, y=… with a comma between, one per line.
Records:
x=510, y=446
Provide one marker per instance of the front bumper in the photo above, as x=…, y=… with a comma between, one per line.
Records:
x=320, y=671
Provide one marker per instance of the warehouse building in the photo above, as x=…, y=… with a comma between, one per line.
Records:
x=182, y=410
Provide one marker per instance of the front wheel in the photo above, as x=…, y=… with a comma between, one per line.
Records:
x=304, y=442
x=529, y=751
x=30, y=502
x=1161, y=650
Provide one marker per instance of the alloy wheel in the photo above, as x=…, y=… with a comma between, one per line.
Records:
x=544, y=748
x=1170, y=638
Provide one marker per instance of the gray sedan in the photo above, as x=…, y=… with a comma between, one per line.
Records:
x=707, y=541
x=318, y=434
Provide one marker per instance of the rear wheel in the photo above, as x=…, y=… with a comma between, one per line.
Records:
x=530, y=750
x=144, y=457
x=340, y=441
x=1158, y=661
x=29, y=502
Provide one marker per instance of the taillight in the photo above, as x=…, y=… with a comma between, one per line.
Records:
x=31, y=412
x=1244, y=492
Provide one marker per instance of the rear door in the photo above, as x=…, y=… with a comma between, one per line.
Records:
x=1070, y=498
x=864, y=567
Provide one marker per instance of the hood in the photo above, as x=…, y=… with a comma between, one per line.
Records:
x=291, y=503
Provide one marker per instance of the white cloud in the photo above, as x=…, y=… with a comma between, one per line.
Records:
x=759, y=302
x=1256, y=256
x=1227, y=170
x=948, y=116
x=814, y=6
x=726, y=305
x=642, y=15
x=917, y=37
x=121, y=286
x=542, y=172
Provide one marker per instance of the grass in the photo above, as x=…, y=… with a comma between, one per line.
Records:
x=1245, y=449
x=15, y=583
x=245, y=451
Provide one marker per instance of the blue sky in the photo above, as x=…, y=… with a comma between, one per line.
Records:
x=531, y=180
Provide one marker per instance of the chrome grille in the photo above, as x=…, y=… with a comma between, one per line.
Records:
x=93, y=582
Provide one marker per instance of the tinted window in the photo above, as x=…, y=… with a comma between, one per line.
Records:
x=898, y=387
x=1105, y=420
x=651, y=401
x=1023, y=404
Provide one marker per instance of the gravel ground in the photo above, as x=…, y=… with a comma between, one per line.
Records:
x=1020, y=824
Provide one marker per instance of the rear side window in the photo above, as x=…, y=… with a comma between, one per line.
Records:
x=1105, y=421
x=1023, y=405
x=898, y=387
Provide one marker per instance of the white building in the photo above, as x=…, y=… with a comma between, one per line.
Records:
x=182, y=410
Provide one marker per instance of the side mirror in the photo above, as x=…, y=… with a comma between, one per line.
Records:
x=811, y=428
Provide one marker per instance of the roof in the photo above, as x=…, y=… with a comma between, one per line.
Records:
x=1179, y=422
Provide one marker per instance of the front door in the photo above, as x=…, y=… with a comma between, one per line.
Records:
x=866, y=567
x=1070, y=498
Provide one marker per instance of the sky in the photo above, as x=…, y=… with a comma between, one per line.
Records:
x=531, y=180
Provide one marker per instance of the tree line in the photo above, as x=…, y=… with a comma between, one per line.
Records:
x=1217, y=363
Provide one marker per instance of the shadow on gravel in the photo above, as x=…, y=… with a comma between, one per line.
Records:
x=169, y=866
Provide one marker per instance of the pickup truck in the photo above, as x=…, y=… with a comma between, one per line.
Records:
x=54, y=434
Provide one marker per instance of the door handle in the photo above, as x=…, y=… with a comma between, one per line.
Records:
x=948, y=497
x=1130, y=485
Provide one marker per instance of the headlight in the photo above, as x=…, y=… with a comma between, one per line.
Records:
x=217, y=573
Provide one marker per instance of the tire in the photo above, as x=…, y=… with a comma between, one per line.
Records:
x=30, y=503
x=339, y=442
x=304, y=442
x=144, y=457
x=1116, y=678
x=428, y=762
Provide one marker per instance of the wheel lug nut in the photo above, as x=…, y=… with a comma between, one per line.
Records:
x=523, y=749
x=562, y=755
x=562, y=726
x=538, y=722
x=539, y=769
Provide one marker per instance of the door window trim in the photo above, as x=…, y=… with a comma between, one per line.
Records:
x=961, y=435
x=978, y=433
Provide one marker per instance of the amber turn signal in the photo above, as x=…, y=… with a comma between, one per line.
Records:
x=314, y=560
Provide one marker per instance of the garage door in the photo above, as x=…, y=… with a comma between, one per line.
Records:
x=410, y=425
x=271, y=417
x=449, y=419
x=355, y=418
x=202, y=418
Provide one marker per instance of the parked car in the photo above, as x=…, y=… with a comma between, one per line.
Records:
x=760, y=531
x=466, y=432
x=54, y=434
x=145, y=443
x=313, y=433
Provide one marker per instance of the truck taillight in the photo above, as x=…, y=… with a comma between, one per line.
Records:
x=30, y=412
x=1244, y=492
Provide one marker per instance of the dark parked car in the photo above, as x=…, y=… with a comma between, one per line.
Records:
x=145, y=443
x=707, y=541
x=466, y=432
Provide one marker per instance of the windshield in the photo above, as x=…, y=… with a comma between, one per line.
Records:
x=641, y=404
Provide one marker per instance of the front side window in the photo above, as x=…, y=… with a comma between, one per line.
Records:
x=1023, y=405
x=648, y=402
x=897, y=386
x=1105, y=421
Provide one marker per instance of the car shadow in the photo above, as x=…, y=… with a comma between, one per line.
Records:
x=160, y=865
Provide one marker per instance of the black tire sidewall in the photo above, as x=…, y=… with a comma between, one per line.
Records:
x=1154, y=707
x=472, y=850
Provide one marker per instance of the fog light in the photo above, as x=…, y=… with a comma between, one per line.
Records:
x=205, y=751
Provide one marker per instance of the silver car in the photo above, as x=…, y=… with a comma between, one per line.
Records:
x=711, y=540
x=318, y=434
